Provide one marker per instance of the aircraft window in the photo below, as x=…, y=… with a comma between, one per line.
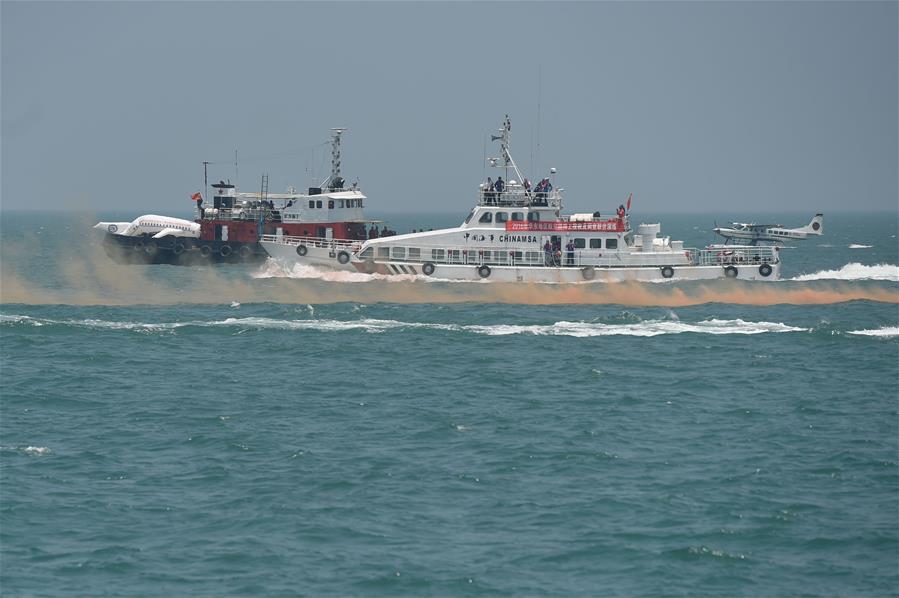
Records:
x=502, y=216
x=311, y=203
x=399, y=253
x=437, y=255
x=611, y=243
x=384, y=252
x=318, y=203
x=579, y=243
x=486, y=217
x=517, y=216
x=533, y=216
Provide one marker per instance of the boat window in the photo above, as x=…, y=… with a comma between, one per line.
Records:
x=452, y=255
x=502, y=216
x=533, y=216
x=399, y=253
x=351, y=203
x=517, y=216
x=532, y=257
x=579, y=243
x=486, y=217
x=437, y=255
x=384, y=252
x=485, y=255
x=318, y=204
x=611, y=243
x=359, y=203
x=595, y=243
x=341, y=203
x=516, y=255
x=330, y=204
x=414, y=253
x=311, y=203
x=366, y=253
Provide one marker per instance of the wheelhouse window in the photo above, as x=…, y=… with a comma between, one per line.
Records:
x=311, y=203
x=517, y=216
x=533, y=216
x=486, y=217
x=611, y=243
x=468, y=218
x=502, y=216
x=330, y=204
x=579, y=243
x=341, y=203
x=318, y=204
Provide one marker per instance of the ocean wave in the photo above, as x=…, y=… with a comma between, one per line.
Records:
x=886, y=331
x=855, y=271
x=857, y=246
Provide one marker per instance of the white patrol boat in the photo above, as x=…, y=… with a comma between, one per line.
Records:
x=518, y=234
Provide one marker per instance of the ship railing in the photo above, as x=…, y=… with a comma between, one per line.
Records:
x=724, y=255
x=323, y=242
x=242, y=213
x=477, y=256
x=518, y=197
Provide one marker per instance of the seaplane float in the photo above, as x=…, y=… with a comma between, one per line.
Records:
x=516, y=233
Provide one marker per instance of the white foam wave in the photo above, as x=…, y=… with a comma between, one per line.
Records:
x=886, y=331
x=855, y=271
x=857, y=246
x=646, y=328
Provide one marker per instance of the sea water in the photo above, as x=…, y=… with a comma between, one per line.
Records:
x=275, y=430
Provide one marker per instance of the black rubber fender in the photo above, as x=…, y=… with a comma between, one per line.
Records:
x=301, y=250
x=484, y=271
x=427, y=268
x=225, y=250
x=667, y=271
x=343, y=257
x=588, y=272
x=205, y=251
x=178, y=248
x=766, y=270
x=731, y=272
x=244, y=252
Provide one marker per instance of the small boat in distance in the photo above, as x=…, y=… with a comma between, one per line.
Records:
x=519, y=234
x=230, y=229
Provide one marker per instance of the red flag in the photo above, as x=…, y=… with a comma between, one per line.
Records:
x=629, y=202
x=196, y=196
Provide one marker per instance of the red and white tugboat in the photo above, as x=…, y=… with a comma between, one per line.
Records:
x=230, y=230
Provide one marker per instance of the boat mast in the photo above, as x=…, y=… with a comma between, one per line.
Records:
x=335, y=156
x=507, y=156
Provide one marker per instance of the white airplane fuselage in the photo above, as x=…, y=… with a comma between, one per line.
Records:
x=153, y=225
x=754, y=233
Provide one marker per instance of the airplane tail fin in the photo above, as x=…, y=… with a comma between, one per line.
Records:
x=816, y=226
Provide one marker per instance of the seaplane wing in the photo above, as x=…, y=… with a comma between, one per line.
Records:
x=151, y=224
x=770, y=233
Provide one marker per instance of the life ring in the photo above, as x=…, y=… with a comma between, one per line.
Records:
x=730, y=272
x=205, y=251
x=588, y=272
x=427, y=268
x=343, y=257
x=484, y=271
x=301, y=250
x=557, y=258
x=225, y=250
x=178, y=248
x=667, y=272
x=765, y=270
x=244, y=252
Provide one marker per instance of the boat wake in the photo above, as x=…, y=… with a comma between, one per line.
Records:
x=855, y=271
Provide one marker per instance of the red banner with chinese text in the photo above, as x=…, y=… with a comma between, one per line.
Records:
x=614, y=226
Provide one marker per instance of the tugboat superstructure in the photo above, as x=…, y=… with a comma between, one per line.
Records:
x=230, y=230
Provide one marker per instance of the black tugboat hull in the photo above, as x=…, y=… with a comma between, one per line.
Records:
x=180, y=251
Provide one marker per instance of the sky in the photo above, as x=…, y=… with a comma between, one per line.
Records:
x=705, y=107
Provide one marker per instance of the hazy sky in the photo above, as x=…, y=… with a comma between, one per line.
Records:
x=714, y=107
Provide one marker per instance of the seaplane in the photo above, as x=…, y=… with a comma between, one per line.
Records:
x=153, y=226
x=760, y=234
